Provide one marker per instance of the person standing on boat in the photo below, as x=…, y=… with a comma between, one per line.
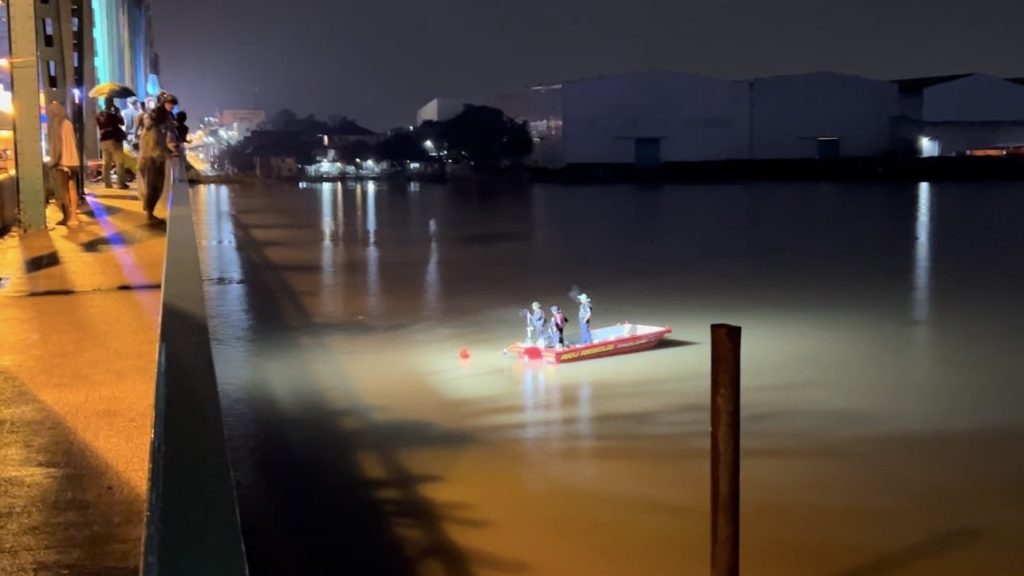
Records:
x=557, y=324
x=585, y=312
x=535, y=324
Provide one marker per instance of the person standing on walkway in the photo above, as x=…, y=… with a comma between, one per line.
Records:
x=585, y=312
x=156, y=142
x=112, y=137
x=131, y=116
x=65, y=162
x=181, y=127
x=143, y=110
x=169, y=102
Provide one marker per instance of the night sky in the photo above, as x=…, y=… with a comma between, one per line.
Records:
x=380, y=60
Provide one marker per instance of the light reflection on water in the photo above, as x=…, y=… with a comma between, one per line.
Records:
x=227, y=298
x=333, y=230
x=831, y=254
x=922, y=253
x=373, y=288
x=836, y=287
x=432, y=279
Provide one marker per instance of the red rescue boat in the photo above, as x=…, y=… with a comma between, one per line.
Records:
x=609, y=341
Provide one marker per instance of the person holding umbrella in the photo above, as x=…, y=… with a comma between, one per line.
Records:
x=112, y=137
x=110, y=124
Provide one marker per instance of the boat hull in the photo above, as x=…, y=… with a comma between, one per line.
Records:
x=634, y=338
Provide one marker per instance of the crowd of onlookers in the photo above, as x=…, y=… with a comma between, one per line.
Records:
x=153, y=133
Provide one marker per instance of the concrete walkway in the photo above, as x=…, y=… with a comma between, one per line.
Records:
x=79, y=314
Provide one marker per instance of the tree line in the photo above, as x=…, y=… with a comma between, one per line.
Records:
x=480, y=136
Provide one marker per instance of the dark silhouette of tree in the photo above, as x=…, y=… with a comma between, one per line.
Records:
x=239, y=157
x=334, y=120
x=486, y=137
x=355, y=150
x=518, y=142
x=432, y=131
x=310, y=126
x=402, y=147
x=285, y=119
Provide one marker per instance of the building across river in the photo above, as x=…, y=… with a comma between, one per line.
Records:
x=653, y=117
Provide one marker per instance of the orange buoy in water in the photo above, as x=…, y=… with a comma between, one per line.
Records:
x=464, y=353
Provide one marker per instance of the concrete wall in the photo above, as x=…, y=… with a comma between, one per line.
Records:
x=532, y=104
x=695, y=118
x=976, y=98
x=958, y=137
x=791, y=112
x=440, y=109
x=912, y=104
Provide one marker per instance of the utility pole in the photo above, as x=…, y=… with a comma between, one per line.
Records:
x=42, y=47
x=25, y=90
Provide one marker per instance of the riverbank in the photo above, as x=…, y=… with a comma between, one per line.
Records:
x=838, y=169
x=892, y=169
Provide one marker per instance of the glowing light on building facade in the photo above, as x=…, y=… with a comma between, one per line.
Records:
x=120, y=42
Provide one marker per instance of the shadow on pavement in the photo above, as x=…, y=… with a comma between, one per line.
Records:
x=39, y=252
x=64, y=510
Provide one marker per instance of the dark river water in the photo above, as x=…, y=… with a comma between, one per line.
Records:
x=882, y=392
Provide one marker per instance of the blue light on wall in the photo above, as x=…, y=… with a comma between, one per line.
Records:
x=101, y=47
x=153, y=85
x=119, y=36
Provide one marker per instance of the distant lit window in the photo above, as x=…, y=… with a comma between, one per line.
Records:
x=48, y=32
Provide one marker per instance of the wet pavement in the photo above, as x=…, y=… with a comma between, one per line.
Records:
x=78, y=331
x=881, y=387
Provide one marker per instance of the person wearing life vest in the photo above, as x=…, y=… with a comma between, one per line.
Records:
x=557, y=324
x=585, y=311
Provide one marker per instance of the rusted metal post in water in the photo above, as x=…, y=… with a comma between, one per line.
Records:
x=725, y=450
